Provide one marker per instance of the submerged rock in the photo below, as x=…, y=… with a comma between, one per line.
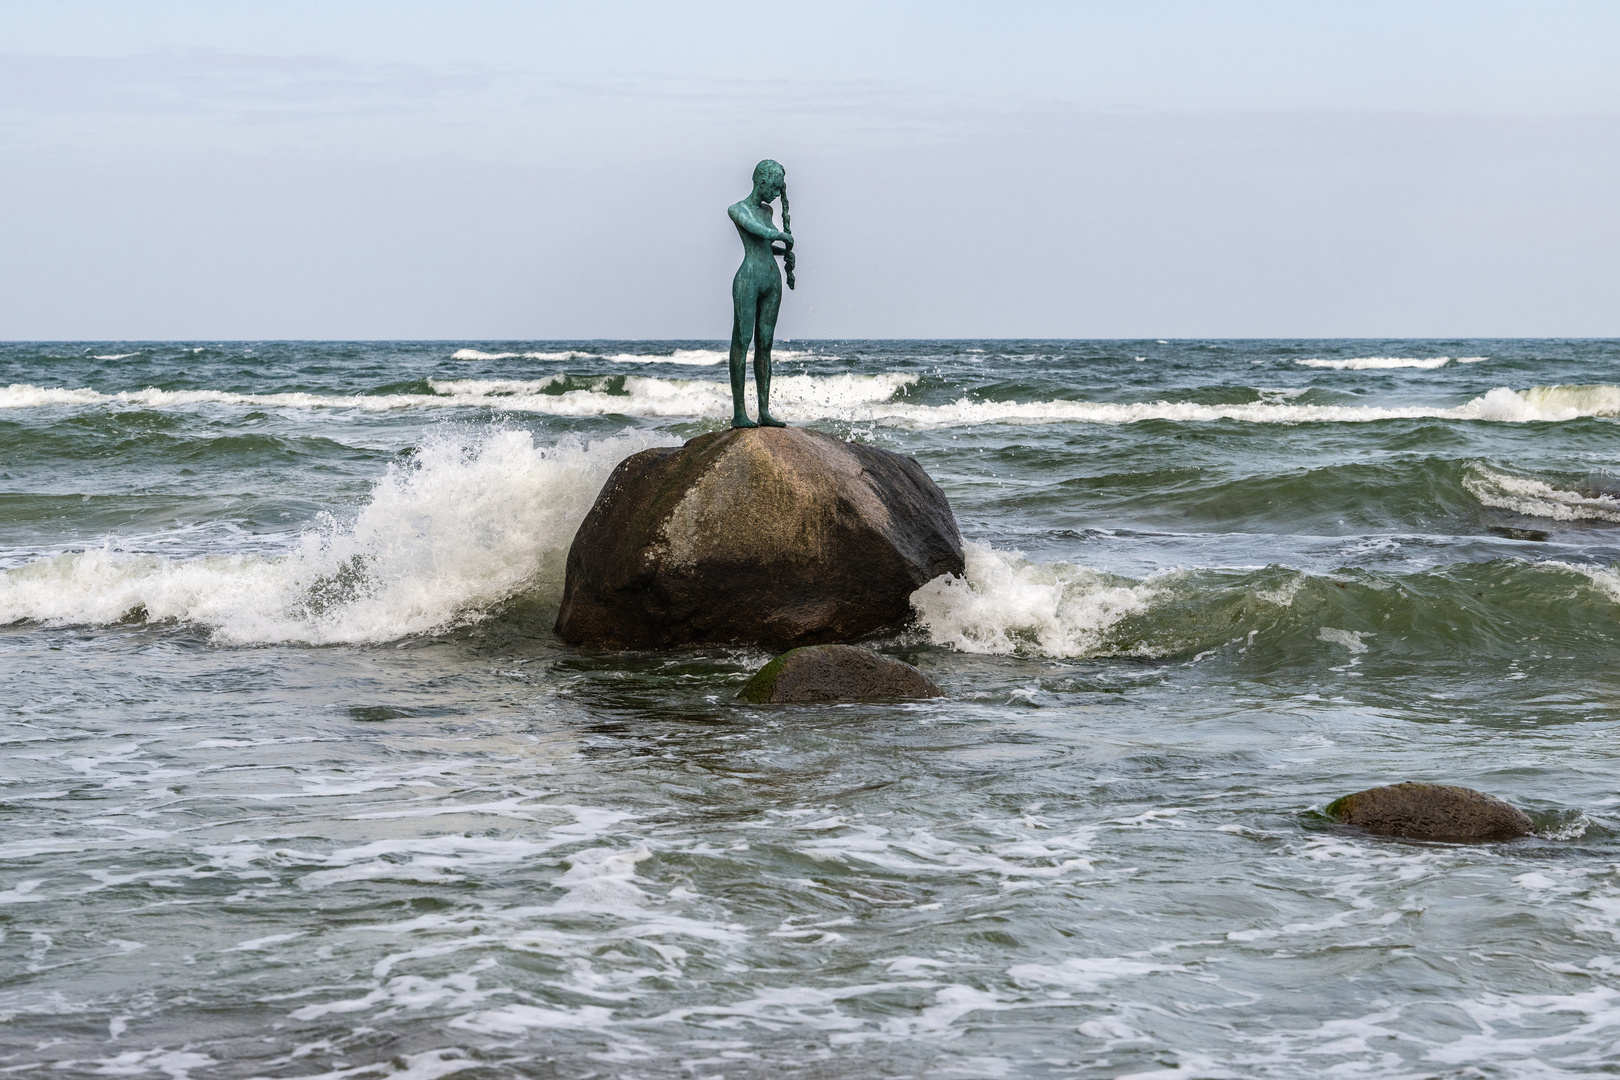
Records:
x=769, y=536
x=1432, y=812
x=836, y=673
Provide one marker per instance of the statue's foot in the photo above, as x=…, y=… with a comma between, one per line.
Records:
x=741, y=420
x=767, y=420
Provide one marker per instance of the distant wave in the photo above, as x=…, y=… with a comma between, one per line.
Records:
x=876, y=399
x=474, y=354
x=688, y=357
x=802, y=397
x=1378, y=363
x=1384, y=363
x=695, y=357
x=1543, y=403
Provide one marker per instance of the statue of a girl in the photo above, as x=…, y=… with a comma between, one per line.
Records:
x=756, y=291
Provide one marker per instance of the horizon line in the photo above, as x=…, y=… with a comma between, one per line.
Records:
x=784, y=341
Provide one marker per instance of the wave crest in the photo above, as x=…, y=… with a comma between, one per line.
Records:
x=1381, y=363
x=1007, y=604
x=476, y=354
x=473, y=519
x=1537, y=498
x=799, y=398
x=1004, y=603
x=849, y=397
x=687, y=357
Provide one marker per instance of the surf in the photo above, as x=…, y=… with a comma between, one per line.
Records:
x=882, y=399
x=470, y=520
x=1007, y=604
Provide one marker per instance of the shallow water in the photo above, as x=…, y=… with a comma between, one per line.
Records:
x=299, y=782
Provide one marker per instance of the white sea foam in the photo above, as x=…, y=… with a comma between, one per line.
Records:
x=475, y=354
x=1350, y=639
x=516, y=1019
x=696, y=357
x=1542, y=403
x=175, y=1064
x=1605, y=579
x=473, y=519
x=431, y=859
x=1380, y=363
x=799, y=398
x=686, y=357
x=1004, y=603
x=429, y=1065
x=1549, y=402
x=1020, y=859
x=1540, y=1036
x=1085, y=973
x=1537, y=498
x=879, y=399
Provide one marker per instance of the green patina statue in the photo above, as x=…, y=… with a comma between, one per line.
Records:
x=756, y=291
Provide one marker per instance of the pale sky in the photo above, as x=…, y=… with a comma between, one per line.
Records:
x=490, y=171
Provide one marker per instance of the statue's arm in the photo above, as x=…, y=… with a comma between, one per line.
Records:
x=750, y=222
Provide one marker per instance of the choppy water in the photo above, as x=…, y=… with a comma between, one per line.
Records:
x=299, y=783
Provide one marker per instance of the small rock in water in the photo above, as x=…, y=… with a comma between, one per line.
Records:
x=1432, y=812
x=836, y=673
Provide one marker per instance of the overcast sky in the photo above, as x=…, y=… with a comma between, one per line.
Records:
x=485, y=171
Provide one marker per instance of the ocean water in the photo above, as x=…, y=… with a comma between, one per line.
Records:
x=298, y=782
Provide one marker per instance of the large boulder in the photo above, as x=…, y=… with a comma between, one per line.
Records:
x=1432, y=812
x=836, y=673
x=768, y=536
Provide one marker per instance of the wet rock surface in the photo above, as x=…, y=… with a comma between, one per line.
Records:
x=836, y=673
x=1432, y=812
x=770, y=536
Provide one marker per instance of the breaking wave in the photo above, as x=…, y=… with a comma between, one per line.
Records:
x=686, y=357
x=1007, y=604
x=478, y=518
x=881, y=399
x=798, y=397
x=472, y=520
x=1537, y=498
x=1381, y=363
x=1541, y=403
x=476, y=354
x=1004, y=603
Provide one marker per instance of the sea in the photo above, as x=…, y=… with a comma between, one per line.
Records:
x=298, y=781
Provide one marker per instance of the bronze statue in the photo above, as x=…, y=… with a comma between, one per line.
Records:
x=756, y=291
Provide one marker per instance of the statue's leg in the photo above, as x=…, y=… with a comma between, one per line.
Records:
x=770, y=302
x=742, y=328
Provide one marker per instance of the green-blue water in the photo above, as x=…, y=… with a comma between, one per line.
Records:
x=298, y=782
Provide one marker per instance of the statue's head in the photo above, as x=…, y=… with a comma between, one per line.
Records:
x=770, y=179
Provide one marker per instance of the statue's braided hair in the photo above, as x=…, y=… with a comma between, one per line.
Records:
x=767, y=169
x=787, y=227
